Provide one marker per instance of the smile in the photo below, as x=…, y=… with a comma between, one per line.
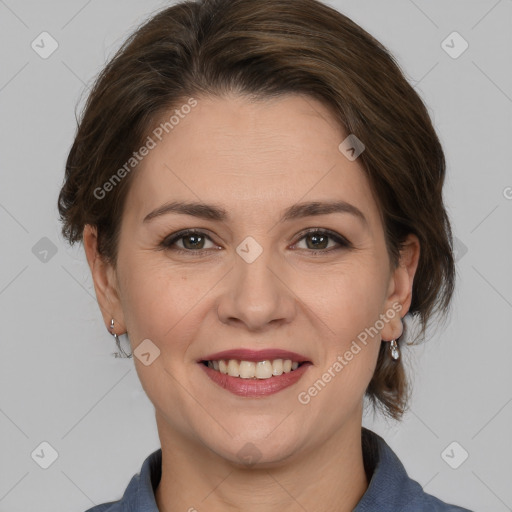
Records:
x=254, y=373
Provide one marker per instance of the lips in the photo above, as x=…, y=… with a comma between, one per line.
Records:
x=261, y=385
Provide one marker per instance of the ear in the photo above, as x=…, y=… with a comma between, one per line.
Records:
x=400, y=288
x=105, y=282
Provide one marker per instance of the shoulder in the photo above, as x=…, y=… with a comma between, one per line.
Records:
x=112, y=506
x=390, y=488
x=139, y=495
x=427, y=503
x=420, y=501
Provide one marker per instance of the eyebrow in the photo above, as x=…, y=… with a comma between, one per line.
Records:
x=296, y=211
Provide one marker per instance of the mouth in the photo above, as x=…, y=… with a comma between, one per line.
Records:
x=250, y=373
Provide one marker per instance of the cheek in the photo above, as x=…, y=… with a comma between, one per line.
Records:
x=161, y=304
x=157, y=300
x=350, y=307
x=354, y=295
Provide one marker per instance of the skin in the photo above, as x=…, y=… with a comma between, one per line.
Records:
x=255, y=159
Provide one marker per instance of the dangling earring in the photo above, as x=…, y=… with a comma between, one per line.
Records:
x=122, y=353
x=395, y=352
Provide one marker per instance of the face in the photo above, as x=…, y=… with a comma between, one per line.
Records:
x=268, y=275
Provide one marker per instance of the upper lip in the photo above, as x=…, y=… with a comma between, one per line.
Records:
x=244, y=354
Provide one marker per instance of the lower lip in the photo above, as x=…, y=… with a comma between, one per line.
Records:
x=255, y=387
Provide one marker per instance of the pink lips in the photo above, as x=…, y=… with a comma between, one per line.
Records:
x=255, y=387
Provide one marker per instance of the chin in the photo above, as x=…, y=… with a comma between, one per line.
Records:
x=257, y=446
x=258, y=454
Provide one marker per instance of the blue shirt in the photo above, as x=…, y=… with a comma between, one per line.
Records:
x=389, y=489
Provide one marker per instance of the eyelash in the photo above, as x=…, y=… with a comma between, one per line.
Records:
x=168, y=242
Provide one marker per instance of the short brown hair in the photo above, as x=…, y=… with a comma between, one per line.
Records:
x=262, y=49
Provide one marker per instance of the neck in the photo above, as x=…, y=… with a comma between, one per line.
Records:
x=194, y=478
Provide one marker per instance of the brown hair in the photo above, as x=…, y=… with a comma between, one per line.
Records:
x=262, y=49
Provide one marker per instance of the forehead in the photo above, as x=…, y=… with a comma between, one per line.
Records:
x=251, y=156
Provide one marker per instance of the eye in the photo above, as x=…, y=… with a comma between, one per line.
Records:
x=193, y=241
x=319, y=239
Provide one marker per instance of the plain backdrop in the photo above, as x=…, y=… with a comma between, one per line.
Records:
x=59, y=383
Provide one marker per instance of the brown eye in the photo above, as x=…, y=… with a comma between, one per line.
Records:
x=317, y=240
x=192, y=241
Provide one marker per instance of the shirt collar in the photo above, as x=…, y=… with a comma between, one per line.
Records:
x=389, y=488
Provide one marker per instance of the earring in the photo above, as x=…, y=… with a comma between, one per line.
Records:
x=122, y=353
x=395, y=352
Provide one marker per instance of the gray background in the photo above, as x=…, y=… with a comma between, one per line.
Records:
x=58, y=380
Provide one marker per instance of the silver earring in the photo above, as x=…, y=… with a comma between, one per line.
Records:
x=121, y=352
x=395, y=352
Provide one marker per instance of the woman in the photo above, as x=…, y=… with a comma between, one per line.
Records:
x=259, y=194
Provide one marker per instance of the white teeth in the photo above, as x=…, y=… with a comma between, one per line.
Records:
x=277, y=367
x=250, y=369
x=263, y=370
x=247, y=369
x=233, y=368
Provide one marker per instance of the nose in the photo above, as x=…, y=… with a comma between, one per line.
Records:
x=257, y=294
